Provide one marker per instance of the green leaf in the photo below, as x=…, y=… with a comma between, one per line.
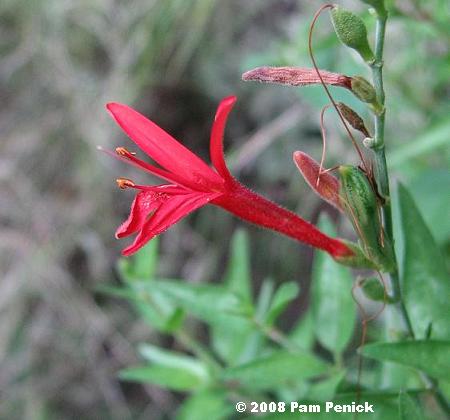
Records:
x=430, y=192
x=231, y=339
x=206, y=404
x=163, y=376
x=169, y=369
x=325, y=389
x=238, y=275
x=143, y=265
x=212, y=304
x=424, y=278
x=285, y=294
x=275, y=370
x=302, y=334
x=408, y=409
x=333, y=308
x=430, y=356
x=427, y=142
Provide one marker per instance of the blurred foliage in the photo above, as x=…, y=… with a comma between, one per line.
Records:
x=61, y=346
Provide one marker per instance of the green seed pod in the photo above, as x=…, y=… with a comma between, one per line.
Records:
x=360, y=204
x=352, y=32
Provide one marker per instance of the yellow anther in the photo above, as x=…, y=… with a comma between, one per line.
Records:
x=124, y=183
x=122, y=151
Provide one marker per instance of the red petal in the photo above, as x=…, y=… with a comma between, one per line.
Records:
x=168, y=213
x=328, y=187
x=138, y=163
x=163, y=148
x=143, y=204
x=216, y=142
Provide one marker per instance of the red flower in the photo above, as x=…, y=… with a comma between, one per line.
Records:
x=325, y=184
x=192, y=184
x=296, y=76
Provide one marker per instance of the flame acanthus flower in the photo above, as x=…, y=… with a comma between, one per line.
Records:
x=191, y=184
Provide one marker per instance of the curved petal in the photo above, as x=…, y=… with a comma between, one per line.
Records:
x=138, y=163
x=216, y=142
x=145, y=202
x=167, y=214
x=163, y=148
x=328, y=186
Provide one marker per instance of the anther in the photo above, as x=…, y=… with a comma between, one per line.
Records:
x=122, y=151
x=124, y=183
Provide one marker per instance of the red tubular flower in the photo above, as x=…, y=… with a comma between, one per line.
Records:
x=192, y=184
x=296, y=76
x=325, y=185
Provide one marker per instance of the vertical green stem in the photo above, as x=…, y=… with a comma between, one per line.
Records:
x=382, y=177
x=381, y=171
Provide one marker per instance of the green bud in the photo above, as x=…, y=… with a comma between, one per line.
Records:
x=373, y=289
x=358, y=259
x=360, y=204
x=352, y=32
x=365, y=92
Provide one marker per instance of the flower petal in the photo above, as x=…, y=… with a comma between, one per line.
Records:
x=328, y=187
x=163, y=148
x=138, y=163
x=145, y=202
x=168, y=213
x=216, y=142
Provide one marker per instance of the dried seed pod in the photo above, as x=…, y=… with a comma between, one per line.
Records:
x=353, y=118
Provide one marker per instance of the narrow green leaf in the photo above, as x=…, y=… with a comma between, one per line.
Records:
x=230, y=339
x=168, y=369
x=424, y=277
x=430, y=192
x=212, y=304
x=285, y=294
x=333, y=308
x=163, y=376
x=238, y=275
x=276, y=369
x=302, y=334
x=430, y=356
x=325, y=389
x=206, y=404
x=433, y=138
x=408, y=409
x=143, y=265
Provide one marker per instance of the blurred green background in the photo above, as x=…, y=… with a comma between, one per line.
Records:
x=61, y=343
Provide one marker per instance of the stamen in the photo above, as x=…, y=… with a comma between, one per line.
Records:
x=122, y=151
x=124, y=183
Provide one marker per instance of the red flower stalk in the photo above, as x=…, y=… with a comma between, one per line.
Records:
x=192, y=184
x=296, y=76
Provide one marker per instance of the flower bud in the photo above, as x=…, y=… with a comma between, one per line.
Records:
x=352, y=32
x=365, y=92
x=324, y=184
x=360, y=204
x=373, y=289
x=353, y=118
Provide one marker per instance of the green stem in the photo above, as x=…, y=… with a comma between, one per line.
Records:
x=382, y=177
x=381, y=171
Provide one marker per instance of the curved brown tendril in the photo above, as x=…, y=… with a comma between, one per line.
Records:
x=324, y=142
x=364, y=321
x=316, y=68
